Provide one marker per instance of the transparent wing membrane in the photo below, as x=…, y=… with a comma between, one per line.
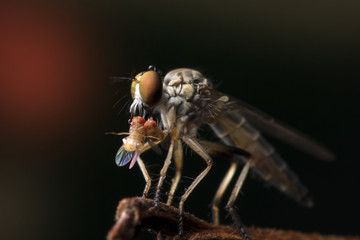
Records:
x=123, y=157
x=272, y=127
x=266, y=162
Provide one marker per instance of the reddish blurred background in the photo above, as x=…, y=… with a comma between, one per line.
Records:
x=49, y=71
x=51, y=106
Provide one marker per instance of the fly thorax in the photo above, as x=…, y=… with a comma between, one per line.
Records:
x=180, y=97
x=186, y=90
x=129, y=144
x=183, y=90
x=133, y=143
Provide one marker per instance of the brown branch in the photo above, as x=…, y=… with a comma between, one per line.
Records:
x=135, y=214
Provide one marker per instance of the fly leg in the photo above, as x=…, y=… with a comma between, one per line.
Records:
x=174, y=138
x=194, y=145
x=146, y=176
x=219, y=193
x=233, y=196
x=233, y=155
x=178, y=156
x=141, y=164
x=144, y=171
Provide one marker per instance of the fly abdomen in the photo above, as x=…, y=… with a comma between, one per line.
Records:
x=270, y=166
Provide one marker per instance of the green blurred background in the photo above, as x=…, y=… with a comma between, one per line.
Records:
x=298, y=61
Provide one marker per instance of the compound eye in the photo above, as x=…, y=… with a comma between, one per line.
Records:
x=150, y=124
x=153, y=123
x=150, y=87
x=139, y=120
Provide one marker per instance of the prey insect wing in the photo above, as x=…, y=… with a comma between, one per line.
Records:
x=123, y=157
x=133, y=161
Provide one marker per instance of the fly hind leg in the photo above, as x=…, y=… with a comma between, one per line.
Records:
x=230, y=205
x=234, y=155
x=219, y=193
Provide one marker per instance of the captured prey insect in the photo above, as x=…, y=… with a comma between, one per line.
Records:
x=142, y=136
x=185, y=100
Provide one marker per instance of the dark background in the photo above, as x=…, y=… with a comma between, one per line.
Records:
x=298, y=61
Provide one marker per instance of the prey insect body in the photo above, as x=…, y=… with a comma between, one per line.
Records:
x=141, y=135
x=185, y=100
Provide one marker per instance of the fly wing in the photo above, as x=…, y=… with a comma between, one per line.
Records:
x=227, y=152
x=277, y=129
x=123, y=157
x=237, y=123
x=155, y=147
x=266, y=162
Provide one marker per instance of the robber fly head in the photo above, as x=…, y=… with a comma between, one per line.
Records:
x=146, y=89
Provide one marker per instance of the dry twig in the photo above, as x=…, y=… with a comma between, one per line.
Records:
x=135, y=214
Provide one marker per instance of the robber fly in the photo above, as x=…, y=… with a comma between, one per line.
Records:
x=185, y=100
